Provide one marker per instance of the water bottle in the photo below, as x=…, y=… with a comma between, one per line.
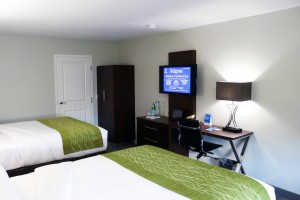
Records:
x=153, y=110
x=157, y=108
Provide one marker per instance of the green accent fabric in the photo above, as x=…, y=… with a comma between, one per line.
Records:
x=191, y=178
x=76, y=135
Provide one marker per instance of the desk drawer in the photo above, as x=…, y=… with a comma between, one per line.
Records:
x=152, y=133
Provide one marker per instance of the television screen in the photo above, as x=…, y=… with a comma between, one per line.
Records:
x=178, y=79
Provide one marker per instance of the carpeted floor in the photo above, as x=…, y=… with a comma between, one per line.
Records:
x=118, y=146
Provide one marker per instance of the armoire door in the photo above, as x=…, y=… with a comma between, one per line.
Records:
x=124, y=103
x=116, y=101
x=105, y=88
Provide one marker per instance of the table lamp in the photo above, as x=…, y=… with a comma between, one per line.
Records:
x=233, y=91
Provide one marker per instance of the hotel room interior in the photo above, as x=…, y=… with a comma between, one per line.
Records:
x=239, y=41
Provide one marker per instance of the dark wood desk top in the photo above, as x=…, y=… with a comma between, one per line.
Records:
x=161, y=119
x=225, y=134
x=217, y=134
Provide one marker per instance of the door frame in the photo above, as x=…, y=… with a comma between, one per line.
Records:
x=56, y=82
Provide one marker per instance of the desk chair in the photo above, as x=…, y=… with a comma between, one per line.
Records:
x=190, y=135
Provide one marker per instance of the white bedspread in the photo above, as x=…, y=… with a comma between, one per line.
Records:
x=31, y=142
x=91, y=178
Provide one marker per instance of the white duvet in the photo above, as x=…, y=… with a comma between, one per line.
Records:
x=92, y=178
x=87, y=179
x=31, y=142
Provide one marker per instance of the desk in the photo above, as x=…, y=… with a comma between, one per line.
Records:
x=162, y=132
x=225, y=135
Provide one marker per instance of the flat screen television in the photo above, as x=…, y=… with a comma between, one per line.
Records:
x=178, y=79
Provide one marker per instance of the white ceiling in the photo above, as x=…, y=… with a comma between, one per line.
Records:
x=113, y=20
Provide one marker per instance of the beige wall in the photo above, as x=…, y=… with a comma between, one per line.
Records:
x=262, y=49
x=27, y=85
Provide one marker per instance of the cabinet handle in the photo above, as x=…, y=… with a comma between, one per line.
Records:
x=103, y=95
x=154, y=129
x=150, y=140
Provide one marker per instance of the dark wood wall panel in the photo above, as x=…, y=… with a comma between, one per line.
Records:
x=182, y=57
x=187, y=103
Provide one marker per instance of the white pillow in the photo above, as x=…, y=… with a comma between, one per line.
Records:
x=7, y=189
x=3, y=172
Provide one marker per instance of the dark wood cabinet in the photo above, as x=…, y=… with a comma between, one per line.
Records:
x=116, y=101
x=161, y=132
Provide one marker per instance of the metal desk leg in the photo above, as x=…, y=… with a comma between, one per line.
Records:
x=241, y=157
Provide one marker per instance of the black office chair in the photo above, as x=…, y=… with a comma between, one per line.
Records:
x=190, y=135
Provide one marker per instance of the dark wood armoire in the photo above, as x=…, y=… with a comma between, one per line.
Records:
x=116, y=101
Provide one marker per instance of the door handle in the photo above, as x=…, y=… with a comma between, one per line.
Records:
x=62, y=102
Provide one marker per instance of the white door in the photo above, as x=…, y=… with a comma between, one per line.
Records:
x=74, y=88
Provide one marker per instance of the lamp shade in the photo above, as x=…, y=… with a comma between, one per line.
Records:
x=233, y=91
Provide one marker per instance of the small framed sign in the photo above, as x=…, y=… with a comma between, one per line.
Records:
x=207, y=120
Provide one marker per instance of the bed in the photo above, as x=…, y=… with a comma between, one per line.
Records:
x=143, y=172
x=33, y=143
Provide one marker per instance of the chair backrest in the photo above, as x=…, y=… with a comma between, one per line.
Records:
x=190, y=133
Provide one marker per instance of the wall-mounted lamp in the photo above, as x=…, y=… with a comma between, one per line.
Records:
x=233, y=91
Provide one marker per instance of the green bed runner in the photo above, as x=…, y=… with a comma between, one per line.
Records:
x=76, y=135
x=191, y=178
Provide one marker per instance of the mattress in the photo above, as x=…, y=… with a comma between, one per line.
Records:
x=31, y=142
x=97, y=177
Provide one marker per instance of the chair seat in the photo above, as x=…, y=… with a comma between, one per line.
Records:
x=208, y=146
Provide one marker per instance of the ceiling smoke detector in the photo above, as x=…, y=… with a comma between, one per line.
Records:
x=151, y=26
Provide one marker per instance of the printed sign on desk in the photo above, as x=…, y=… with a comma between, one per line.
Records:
x=207, y=120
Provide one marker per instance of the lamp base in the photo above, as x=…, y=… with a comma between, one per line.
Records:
x=232, y=129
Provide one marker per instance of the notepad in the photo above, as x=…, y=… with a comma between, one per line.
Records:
x=213, y=129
